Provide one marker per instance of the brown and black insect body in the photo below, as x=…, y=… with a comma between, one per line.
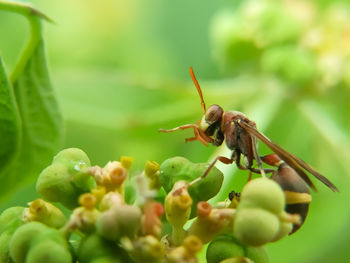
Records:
x=241, y=135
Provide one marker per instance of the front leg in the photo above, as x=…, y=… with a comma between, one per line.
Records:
x=198, y=133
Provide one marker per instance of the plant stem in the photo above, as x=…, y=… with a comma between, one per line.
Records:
x=178, y=235
x=34, y=17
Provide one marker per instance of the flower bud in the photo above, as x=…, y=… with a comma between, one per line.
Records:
x=178, y=205
x=66, y=178
x=227, y=247
x=148, y=249
x=187, y=252
x=224, y=247
x=94, y=248
x=22, y=238
x=152, y=173
x=10, y=220
x=112, y=176
x=111, y=200
x=257, y=254
x=178, y=168
x=73, y=155
x=151, y=223
x=44, y=212
x=48, y=251
x=211, y=222
x=126, y=162
x=5, y=238
x=118, y=222
x=291, y=63
x=255, y=226
x=193, y=245
x=177, y=210
x=84, y=217
x=34, y=241
x=99, y=192
x=237, y=260
x=263, y=193
x=284, y=230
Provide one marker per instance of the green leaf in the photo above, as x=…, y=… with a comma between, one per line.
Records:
x=9, y=122
x=41, y=119
x=40, y=116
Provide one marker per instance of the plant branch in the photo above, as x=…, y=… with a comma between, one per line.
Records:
x=34, y=17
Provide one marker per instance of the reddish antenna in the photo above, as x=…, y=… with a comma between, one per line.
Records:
x=198, y=89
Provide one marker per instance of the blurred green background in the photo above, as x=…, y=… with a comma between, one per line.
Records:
x=120, y=72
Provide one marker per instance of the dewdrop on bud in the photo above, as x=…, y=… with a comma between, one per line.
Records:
x=66, y=178
x=44, y=212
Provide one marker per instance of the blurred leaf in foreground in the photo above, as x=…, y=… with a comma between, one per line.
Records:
x=40, y=117
x=9, y=121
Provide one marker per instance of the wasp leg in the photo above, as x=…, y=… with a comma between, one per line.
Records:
x=218, y=158
x=240, y=166
x=257, y=157
x=222, y=159
x=199, y=134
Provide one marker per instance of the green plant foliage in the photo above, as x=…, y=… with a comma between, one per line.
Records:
x=28, y=99
x=41, y=120
x=9, y=122
x=120, y=72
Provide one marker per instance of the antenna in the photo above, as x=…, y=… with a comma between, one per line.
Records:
x=198, y=89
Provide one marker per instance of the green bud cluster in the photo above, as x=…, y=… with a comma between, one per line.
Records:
x=260, y=216
x=273, y=38
x=10, y=220
x=227, y=247
x=113, y=217
x=35, y=242
x=180, y=169
x=66, y=178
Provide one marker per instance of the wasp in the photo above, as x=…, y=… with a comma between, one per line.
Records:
x=241, y=137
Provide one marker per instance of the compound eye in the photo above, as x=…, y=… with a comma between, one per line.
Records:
x=214, y=114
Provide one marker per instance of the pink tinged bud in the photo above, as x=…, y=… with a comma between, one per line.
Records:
x=151, y=223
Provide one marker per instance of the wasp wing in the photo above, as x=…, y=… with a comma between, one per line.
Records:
x=293, y=161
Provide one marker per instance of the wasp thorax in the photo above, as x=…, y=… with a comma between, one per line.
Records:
x=213, y=114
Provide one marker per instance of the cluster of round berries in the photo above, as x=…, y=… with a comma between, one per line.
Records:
x=158, y=215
